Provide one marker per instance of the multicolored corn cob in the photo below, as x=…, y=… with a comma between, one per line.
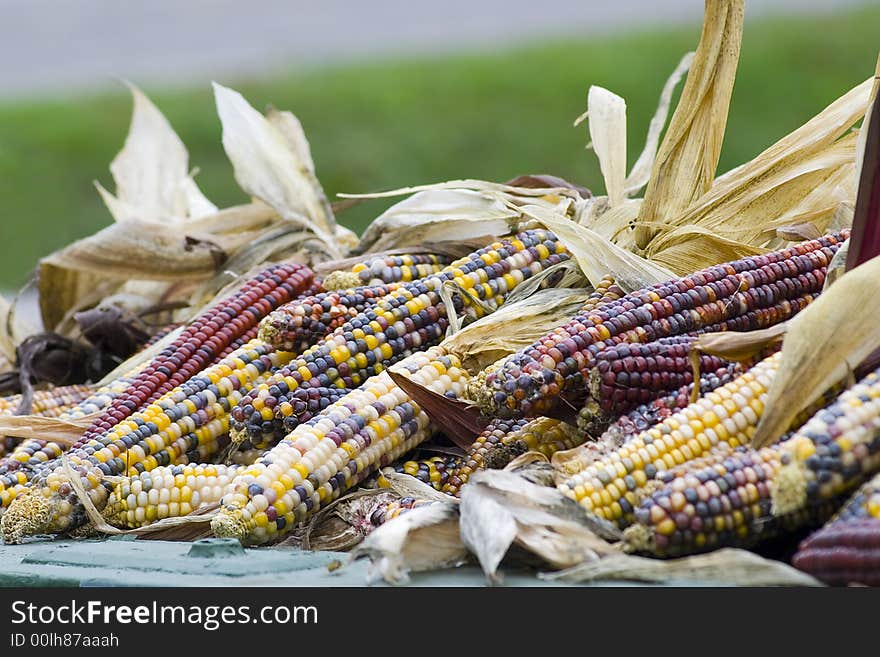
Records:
x=433, y=471
x=628, y=374
x=504, y=440
x=367, y=429
x=390, y=510
x=723, y=501
x=298, y=325
x=205, y=338
x=847, y=549
x=167, y=492
x=836, y=450
x=613, y=486
x=188, y=424
x=645, y=416
x=29, y=455
x=481, y=393
x=742, y=295
x=377, y=270
x=47, y=403
x=411, y=318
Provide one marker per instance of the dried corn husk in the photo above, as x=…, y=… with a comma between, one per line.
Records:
x=272, y=162
x=613, y=219
x=607, y=113
x=153, y=188
x=685, y=165
x=151, y=172
x=500, y=508
x=57, y=430
x=515, y=325
x=743, y=212
x=823, y=344
x=739, y=346
x=455, y=210
x=725, y=567
x=599, y=257
x=424, y=538
x=439, y=215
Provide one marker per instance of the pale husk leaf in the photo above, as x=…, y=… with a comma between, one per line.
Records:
x=439, y=215
x=688, y=156
x=267, y=166
x=724, y=567
x=607, y=113
x=690, y=248
x=122, y=251
x=739, y=346
x=502, y=507
x=599, y=257
x=65, y=432
x=291, y=129
x=748, y=209
x=151, y=172
x=822, y=345
x=513, y=326
x=424, y=538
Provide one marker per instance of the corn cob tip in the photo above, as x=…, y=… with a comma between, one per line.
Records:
x=229, y=523
x=29, y=514
x=479, y=393
x=789, y=490
x=267, y=333
x=341, y=280
x=638, y=538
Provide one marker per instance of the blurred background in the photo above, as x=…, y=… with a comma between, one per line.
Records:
x=390, y=92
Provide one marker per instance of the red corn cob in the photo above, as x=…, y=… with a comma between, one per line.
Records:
x=205, y=339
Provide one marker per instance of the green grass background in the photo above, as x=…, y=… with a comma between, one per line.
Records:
x=392, y=123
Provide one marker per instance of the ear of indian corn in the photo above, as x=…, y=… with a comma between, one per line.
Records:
x=847, y=549
x=742, y=295
x=504, y=440
x=613, y=486
x=187, y=424
x=166, y=492
x=628, y=374
x=834, y=451
x=411, y=318
x=46, y=403
x=377, y=270
x=298, y=325
x=319, y=460
x=724, y=501
x=478, y=391
x=205, y=338
x=741, y=510
x=17, y=468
